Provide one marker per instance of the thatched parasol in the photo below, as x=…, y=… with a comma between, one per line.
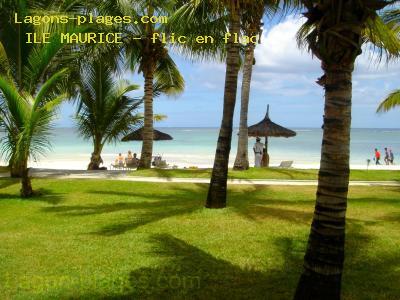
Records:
x=266, y=128
x=137, y=135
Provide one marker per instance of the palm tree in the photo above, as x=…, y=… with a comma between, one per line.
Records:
x=25, y=65
x=334, y=32
x=390, y=102
x=151, y=58
x=28, y=119
x=203, y=15
x=105, y=112
x=251, y=23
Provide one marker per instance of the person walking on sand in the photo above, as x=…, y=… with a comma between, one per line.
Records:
x=258, y=152
x=377, y=157
x=386, y=159
x=391, y=157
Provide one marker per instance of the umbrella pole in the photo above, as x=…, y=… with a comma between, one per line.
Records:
x=265, y=158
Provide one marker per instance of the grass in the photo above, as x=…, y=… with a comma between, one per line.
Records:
x=270, y=173
x=109, y=239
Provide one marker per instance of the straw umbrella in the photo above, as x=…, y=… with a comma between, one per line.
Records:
x=137, y=135
x=266, y=128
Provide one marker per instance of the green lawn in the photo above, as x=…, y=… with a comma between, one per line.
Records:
x=111, y=239
x=270, y=173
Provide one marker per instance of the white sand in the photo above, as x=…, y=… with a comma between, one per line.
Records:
x=68, y=164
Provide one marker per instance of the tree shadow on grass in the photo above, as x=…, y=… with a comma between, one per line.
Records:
x=188, y=272
x=146, y=208
x=258, y=203
x=41, y=195
x=6, y=182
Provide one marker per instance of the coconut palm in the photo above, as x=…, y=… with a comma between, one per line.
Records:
x=202, y=15
x=197, y=15
x=25, y=65
x=335, y=32
x=251, y=24
x=28, y=119
x=151, y=58
x=105, y=111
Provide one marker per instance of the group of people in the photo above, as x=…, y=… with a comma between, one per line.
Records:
x=389, y=157
x=130, y=160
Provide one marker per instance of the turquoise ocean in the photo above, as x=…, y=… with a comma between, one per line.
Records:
x=196, y=147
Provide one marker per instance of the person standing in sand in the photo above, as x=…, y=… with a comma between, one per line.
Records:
x=377, y=157
x=391, y=157
x=387, y=160
x=258, y=149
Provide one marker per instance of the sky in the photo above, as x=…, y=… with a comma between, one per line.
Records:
x=284, y=77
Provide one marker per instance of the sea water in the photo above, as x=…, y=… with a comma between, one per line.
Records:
x=196, y=147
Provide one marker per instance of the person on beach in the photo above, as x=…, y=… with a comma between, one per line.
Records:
x=129, y=157
x=391, y=157
x=377, y=157
x=258, y=149
x=135, y=160
x=119, y=160
x=386, y=159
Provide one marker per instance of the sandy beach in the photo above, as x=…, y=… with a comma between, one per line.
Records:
x=81, y=164
x=196, y=147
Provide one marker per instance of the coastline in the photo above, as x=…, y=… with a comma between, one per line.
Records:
x=81, y=165
x=195, y=147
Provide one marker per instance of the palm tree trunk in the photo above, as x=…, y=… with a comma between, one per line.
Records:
x=16, y=168
x=242, y=155
x=217, y=191
x=26, y=186
x=323, y=261
x=147, y=146
x=95, y=159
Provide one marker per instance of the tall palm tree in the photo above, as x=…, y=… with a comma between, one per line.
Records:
x=216, y=197
x=251, y=24
x=202, y=15
x=151, y=58
x=105, y=111
x=28, y=119
x=27, y=66
x=334, y=32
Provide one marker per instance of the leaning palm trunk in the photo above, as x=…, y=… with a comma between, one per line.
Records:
x=147, y=146
x=242, y=156
x=217, y=191
x=323, y=262
x=26, y=186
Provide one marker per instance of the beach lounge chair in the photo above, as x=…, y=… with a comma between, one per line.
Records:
x=132, y=164
x=158, y=162
x=286, y=164
x=117, y=167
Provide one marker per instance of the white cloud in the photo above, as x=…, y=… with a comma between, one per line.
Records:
x=279, y=53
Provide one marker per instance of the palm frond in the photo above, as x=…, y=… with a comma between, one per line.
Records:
x=391, y=101
x=384, y=38
x=16, y=106
x=168, y=79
